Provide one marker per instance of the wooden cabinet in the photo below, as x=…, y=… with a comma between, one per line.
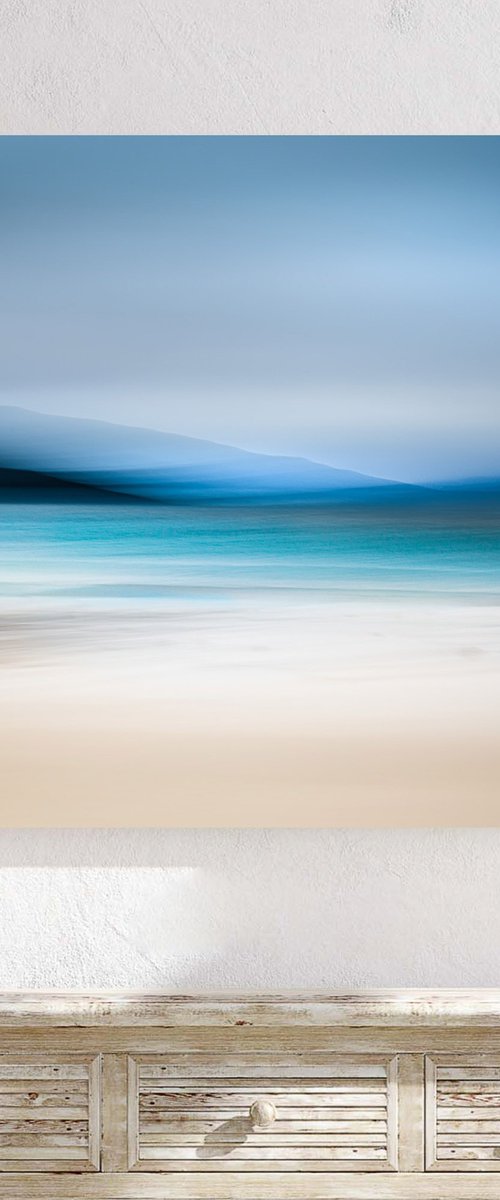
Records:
x=389, y=1096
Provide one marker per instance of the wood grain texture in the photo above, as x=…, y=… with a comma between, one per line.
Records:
x=38, y=1136
x=411, y=1112
x=114, y=1113
x=136, y=1111
x=462, y=1084
x=169, y=1094
x=342, y=1039
x=405, y=1008
x=245, y=1186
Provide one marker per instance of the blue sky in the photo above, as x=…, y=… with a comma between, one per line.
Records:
x=333, y=297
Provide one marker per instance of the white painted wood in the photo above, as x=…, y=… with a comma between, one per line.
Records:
x=345, y=1041
x=411, y=1104
x=185, y=1123
x=250, y=1186
x=260, y=1083
x=468, y=1084
x=133, y=1096
x=405, y=1008
x=140, y=1098
x=430, y=1113
x=40, y=1126
x=114, y=1147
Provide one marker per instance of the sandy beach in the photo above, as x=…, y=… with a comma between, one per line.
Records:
x=304, y=714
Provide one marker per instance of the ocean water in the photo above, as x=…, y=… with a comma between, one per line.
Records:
x=255, y=588
x=348, y=656
x=154, y=554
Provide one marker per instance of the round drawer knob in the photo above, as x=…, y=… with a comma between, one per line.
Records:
x=262, y=1113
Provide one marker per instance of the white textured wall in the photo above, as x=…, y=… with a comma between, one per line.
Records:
x=249, y=66
x=193, y=910
x=249, y=909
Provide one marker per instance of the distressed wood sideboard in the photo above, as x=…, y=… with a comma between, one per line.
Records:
x=374, y=1096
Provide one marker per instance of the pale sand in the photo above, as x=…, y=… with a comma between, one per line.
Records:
x=327, y=714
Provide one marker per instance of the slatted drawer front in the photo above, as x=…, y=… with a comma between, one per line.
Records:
x=463, y=1112
x=262, y=1112
x=49, y=1112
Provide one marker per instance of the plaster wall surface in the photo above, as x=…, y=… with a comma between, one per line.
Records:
x=249, y=66
x=251, y=909
x=248, y=909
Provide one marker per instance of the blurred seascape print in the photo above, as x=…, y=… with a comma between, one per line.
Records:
x=249, y=481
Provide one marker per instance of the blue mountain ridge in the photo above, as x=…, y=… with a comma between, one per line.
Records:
x=161, y=466
x=57, y=457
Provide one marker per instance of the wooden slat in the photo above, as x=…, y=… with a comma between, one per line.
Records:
x=469, y=1114
x=210, y=1112
x=178, y=1095
x=39, y=1115
x=43, y=1127
x=373, y=1105
x=487, y=1059
x=367, y=1067
x=42, y=1091
x=468, y=1100
x=447, y=1087
x=198, y=1168
x=469, y=1139
x=255, y=1139
x=488, y=1072
x=43, y=1152
x=28, y=1140
x=33, y=1070
x=371, y=1100
x=276, y=1066
x=266, y=1153
x=465, y=1153
x=468, y=1127
x=158, y=1121
x=52, y=1166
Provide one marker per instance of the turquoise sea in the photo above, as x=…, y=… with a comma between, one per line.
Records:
x=150, y=553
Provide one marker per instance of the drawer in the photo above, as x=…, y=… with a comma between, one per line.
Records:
x=49, y=1112
x=462, y=1112
x=262, y=1112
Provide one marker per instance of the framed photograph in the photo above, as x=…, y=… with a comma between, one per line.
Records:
x=249, y=481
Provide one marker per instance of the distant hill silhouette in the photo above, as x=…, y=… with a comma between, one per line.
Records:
x=70, y=459
x=40, y=487
x=160, y=466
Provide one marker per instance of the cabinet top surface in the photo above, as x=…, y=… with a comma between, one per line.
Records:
x=404, y=1007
